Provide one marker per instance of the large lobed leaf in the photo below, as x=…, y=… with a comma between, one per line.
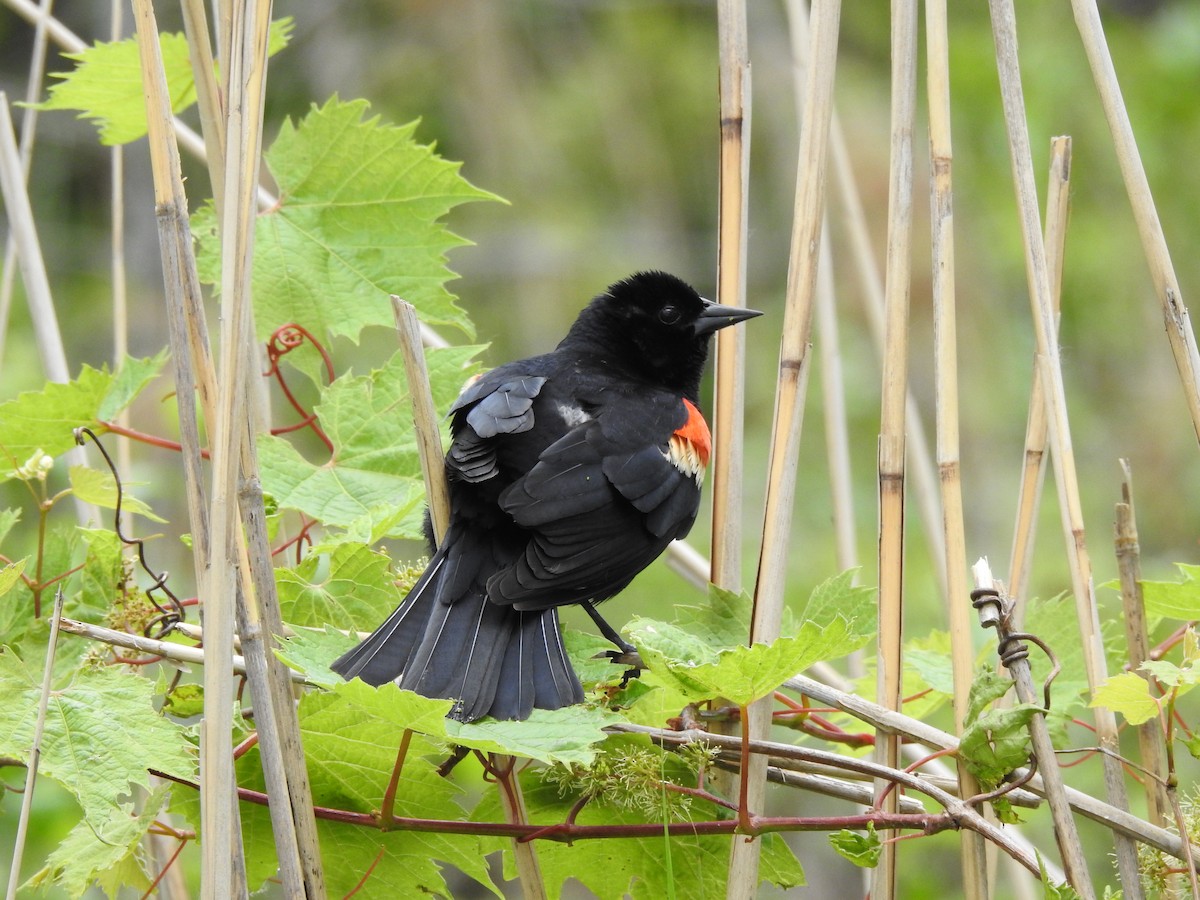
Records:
x=375, y=472
x=106, y=84
x=357, y=220
x=101, y=733
x=45, y=420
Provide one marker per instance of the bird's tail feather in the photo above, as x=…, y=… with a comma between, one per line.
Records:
x=448, y=640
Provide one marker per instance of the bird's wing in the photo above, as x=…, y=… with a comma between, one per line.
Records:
x=602, y=502
x=500, y=402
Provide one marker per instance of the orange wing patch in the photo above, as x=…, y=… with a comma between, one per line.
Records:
x=690, y=445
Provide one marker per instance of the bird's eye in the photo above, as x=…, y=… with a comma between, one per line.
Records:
x=669, y=314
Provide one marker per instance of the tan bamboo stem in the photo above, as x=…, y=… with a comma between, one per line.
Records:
x=1154, y=244
x=945, y=336
x=1128, y=553
x=889, y=657
x=729, y=396
x=245, y=67
x=793, y=367
x=1033, y=474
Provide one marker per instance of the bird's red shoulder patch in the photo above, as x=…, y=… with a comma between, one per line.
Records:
x=690, y=444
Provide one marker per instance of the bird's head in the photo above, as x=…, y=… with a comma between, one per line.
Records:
x=655, y=325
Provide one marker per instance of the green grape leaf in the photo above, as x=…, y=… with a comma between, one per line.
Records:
x=723, y=622
x=376, y=468
x=310, y=652
x=742, y=674
x=104, y=852
x=45, y=420
x=839, y=596
x=863, y=850
x=129, y=381
x=106, y=84
x=1128, y=694
x=351, y=588
x=10, y=575
x=997, y=741
x=351, y=736
x=1174, y=599
x=358, y=219
x=101, y=732
x=100, y=488
x=1169, y=674
x=567, y=735
x=8, y=518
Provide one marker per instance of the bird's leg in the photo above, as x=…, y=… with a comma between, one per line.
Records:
x=607, y=630
x=625, y=648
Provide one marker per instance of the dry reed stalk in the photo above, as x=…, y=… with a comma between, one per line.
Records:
x=1004, y=29
x=425, y=419
x=837, y=431
x=35, y=752
x=793, y=377
x=23, y=232
x=732, y=219
x=733, y=194
x=1033, y=474
x=889, y=657
x=245, y=69
x=945, y=337
x=212, y=116
x=179, y=281
x=1070, y=849
x=1137, y=185
x=29, y=117
x=1129, y=565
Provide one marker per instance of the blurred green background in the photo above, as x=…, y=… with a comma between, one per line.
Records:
x=597, y=120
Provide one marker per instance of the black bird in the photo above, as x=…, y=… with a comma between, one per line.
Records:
x=569, y=473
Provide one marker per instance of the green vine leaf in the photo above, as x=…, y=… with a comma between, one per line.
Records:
x=358, y=219
x=104, y=853
x=46, y=420
x=1174, y=599
x=375, y=470
x=106, y=83
x=100, y=488
x=1129, y=695
x=351, y=588
x=863, y=850
x=101, y=729
x=742, y=674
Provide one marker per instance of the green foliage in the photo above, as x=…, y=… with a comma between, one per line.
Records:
x=106, y=84
x=863, y=850
x=995, y=740
x=682, y=655
x=358, y=219
x=373, y=480
x=43, y=422
x=86, y=744
x=1174, y=599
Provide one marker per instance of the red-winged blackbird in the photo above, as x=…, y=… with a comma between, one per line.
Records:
x=569, y=473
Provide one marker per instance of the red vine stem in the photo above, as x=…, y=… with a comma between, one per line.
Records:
x=928, y=823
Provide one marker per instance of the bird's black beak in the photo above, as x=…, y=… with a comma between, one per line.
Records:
x=716, y=317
